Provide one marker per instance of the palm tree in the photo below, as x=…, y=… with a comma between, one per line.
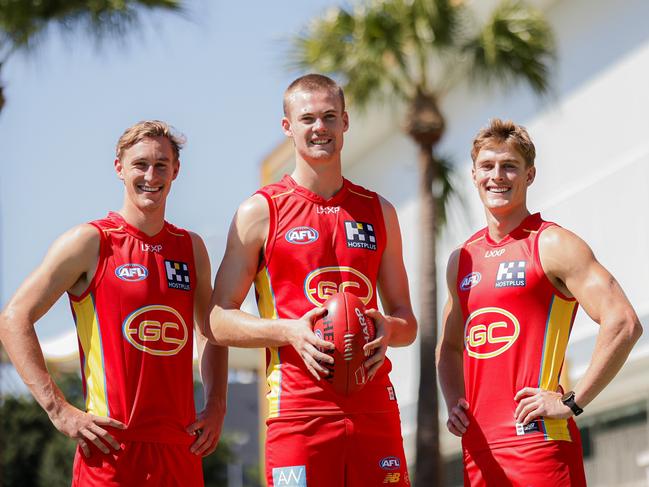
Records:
x=24, y=22
x=414, y=51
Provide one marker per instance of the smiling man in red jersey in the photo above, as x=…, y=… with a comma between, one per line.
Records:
x=301, y=240
x=137, y=286
x=514, y=288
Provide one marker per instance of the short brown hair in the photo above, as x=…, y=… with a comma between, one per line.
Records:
x=505, y=132
x=314, y=82
x=149, y=128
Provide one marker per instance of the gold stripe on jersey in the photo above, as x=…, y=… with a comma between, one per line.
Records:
x=474, y=241
x=368, y=196
x=93, y=366
x=557, y=332
x=267, y=309
x=282, y=194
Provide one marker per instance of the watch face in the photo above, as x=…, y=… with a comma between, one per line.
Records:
x=568, y=396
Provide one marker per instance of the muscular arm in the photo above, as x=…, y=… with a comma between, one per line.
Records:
x=570, y=264
x=212, y=360
x=228, y=325
x=69, y=265
x=450, y=353
x=398, y=327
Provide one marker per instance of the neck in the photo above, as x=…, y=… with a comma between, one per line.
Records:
x=500, y=224
x=148, y=222
x=323, y=179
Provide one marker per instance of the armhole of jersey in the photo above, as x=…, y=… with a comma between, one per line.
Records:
x=383, y=230
x=537, y=261
x=272, y=228
x=100, y=267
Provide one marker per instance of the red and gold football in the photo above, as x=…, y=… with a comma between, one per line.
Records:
x=349, y=329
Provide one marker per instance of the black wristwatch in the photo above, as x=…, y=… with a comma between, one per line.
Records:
x=569, y=400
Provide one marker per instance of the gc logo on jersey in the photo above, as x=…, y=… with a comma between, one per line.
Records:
x=360, y=235
x=132, y=272
x=177, y=275
x=301, y=235
x=511, y=274
x=156, y=330
x=488, y=332
x=322, y=283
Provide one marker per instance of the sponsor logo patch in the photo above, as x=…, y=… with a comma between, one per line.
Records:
x=156, y=329
x=151, y=247
x=301, y=235
x=392, y=478
x=177, y=275
x=289, y=476
x=391, y=393
x=470, y=280
x=532, y=427
x=511, y=274
x=360, y=235
x=327, y=210
x=390, y=463
x=132, y=272
x=322, y=283
x=494, y=253
x=488, y=332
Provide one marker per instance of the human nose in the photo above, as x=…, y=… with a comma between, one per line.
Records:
x=319, y=124
x=498, y=172
x=149, y=174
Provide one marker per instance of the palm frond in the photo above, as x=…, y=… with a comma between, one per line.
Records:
x=23, y=21
x=515, y=44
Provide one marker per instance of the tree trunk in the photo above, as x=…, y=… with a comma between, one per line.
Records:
x=428, y=472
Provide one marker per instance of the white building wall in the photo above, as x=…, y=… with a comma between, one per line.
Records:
x=592, y=139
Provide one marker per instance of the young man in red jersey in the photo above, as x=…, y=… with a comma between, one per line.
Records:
x=301, y=240
x=514, y=289
x=137, y=286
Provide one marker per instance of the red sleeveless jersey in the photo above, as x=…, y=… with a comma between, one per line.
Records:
x=516, y=329
x=135, y=329
x=315, y=248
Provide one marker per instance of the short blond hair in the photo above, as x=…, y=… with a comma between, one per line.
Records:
x=150, y=128
x=505, y=132
x=313, y=82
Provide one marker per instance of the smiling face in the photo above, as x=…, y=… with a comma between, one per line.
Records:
x=147, y=169
x=502, y=178
x=316, y=122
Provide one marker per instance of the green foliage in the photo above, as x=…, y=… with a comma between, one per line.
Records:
x=397, y=48
x=22, y=20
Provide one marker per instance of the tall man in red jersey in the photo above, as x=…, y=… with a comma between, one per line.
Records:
x=137, y=285
x=514, y=288
x=301, y=240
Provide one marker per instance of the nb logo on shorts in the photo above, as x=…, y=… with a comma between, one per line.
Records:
x=289, y=476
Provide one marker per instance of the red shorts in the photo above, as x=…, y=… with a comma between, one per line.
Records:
x=543, y=464
x=139, y=463
x=351, y=451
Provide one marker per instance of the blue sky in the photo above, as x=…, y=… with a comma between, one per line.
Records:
x=217, y=74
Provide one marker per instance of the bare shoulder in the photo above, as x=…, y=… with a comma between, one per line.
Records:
x=452, y=267
x=561, y=248
x=200, y=250
x=389, y=213
x=78, y=242
x=250, y=223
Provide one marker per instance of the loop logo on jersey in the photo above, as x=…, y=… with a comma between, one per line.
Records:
x=301, y=235
x=156, y=329
x=132, y=272
x=324, y=282
x=488, y=332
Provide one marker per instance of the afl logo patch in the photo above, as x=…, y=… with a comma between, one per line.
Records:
x=301, y=235
x=470, y=280
x=390, y=463
x=132, y=272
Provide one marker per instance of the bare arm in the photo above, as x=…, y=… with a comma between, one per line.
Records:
x=228, y=325
x=398, y=327
x=570, y=264
x=451, y=352
x=69, y=265
x=212, y=361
